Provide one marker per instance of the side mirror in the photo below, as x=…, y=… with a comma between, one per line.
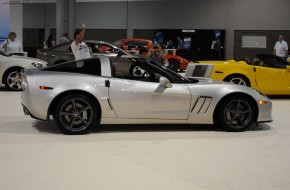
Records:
x=165, y=82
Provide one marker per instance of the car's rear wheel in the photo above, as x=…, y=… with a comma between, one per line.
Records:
x=76, y=114
x=238, y=79
x=13, y=79
x=173, y=65
x=235, y=114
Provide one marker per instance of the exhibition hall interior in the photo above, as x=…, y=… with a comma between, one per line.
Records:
x=144, y=94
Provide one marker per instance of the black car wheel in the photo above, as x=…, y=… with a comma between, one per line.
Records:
x=238, y=79
x=76, y=114
x=173, y=65
x=235, y=114
x=13, y=79
x=136, y=70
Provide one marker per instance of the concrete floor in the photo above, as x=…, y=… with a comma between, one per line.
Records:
x=35, y=155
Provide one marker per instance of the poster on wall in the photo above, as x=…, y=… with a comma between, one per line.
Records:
x=186, y=43
x=5, y=22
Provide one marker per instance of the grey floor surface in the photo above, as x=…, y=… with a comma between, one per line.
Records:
x=35, y=155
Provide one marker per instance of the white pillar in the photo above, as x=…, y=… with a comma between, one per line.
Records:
x=65, y=18
x=60, y=21
x=230, y=29
x=71, y=18
x=16, y=20
x=130, y=31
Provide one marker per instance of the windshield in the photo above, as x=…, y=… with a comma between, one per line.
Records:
x=118, y=42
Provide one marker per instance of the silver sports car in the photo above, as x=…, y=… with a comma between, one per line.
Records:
x=83, y=94
x=11, y=66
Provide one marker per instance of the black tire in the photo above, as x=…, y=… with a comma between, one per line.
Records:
x=13, y=79
x=235, y=114
x=238, y=79
x=76, y=114
x=173, y=65
x=136, y=70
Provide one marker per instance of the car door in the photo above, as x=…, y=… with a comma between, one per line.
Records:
x=149, y=100
x=272, y=76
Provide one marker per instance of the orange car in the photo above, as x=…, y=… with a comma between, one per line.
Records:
x=134, y=44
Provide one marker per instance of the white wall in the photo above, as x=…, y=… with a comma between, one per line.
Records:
x=230, y=15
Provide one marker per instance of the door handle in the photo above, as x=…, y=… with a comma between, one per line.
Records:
x=107, y=83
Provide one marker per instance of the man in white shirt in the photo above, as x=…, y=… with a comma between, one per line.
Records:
x=79, y=48
x=12, y=45
x=281, y=48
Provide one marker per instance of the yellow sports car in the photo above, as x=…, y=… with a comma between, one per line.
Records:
x=268, y=73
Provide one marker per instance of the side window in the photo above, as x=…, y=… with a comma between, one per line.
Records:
x=274, y=63
x=89, y=66
x=102, y=48
x=61, y=47
x=135, y=72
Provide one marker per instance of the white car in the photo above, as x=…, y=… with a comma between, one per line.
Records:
x=11, y=66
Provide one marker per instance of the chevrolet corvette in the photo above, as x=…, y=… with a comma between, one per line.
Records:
x=267, y=73
x=83, y=94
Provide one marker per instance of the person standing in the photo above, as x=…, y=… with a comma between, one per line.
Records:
x=180, y=43
x=281, y=48
x=49, y=42
x=80, y=48
x=157, y=55
x=11, y=44
x=64, y=39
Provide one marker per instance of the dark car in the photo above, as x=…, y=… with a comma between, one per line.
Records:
x=63, y=53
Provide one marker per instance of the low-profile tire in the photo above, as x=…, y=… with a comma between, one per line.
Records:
x=235, y=114
x=13, y=79
x=173, y=65
x=76, y=114
x=136, y=70
x=238, y=79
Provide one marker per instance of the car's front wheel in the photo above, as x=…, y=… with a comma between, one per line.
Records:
x=235, y=114
x=13, y=79
x=76, y=114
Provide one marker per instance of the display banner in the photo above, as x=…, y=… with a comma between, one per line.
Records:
x=4, y=21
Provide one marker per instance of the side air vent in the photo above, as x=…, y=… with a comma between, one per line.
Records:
x=201, y=105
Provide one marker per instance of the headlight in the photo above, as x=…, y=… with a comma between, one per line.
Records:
x=38, y=65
